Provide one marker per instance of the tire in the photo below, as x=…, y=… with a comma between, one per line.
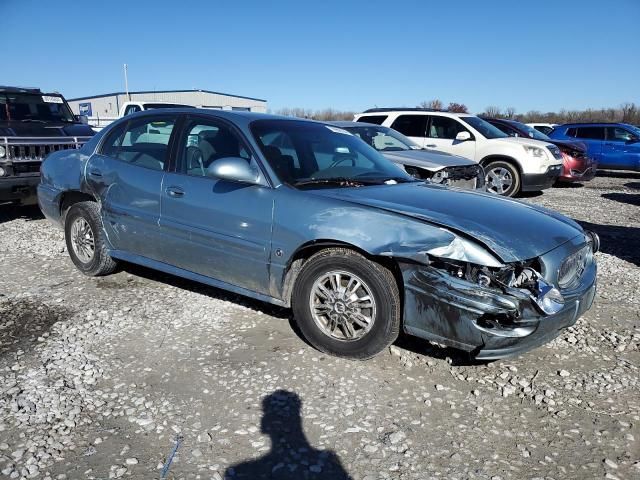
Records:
x=85, y=217
x=495, y=175
x=370, y=338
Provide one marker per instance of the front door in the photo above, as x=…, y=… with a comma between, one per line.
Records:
x=127, y=176
x=214, y=227
x=621, y=149
x=441, y=135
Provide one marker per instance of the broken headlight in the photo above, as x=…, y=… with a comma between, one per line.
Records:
x=574, y=266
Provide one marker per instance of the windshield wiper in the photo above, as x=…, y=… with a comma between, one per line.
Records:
x=32, y=120
x=351, y=181
x=342, y=181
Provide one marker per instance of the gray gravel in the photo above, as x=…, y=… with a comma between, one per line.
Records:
x=103, y=378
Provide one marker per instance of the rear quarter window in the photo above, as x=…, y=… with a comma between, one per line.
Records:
x=377, y=119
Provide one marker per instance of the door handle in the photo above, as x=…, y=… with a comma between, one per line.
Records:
x=94, y=172
x=431, y=145
x=175, y=192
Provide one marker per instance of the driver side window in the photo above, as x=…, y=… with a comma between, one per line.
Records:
x=206, y=142
x=618, y=134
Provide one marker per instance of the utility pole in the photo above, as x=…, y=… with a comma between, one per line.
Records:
x=126, y=82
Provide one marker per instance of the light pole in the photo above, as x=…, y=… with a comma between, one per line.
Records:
x=126, y=82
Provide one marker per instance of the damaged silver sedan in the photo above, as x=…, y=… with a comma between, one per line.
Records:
x=307, y=216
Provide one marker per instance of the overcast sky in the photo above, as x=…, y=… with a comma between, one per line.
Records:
x=348, y=55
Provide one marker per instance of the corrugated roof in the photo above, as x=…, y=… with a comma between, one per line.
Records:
x=164, y=91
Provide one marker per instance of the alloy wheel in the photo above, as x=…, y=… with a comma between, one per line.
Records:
x=342, y=306
x=82, y=240
x=499, y=180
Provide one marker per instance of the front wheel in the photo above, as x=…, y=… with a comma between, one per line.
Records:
x=85, y=240
x=346, y=305
x=502, y=178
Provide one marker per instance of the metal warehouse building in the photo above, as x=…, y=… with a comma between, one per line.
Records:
x=107, y=106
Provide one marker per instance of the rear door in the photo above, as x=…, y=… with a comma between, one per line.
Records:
x=441, y=135
x=593, y=137
x=127, y=176
x=412, y=126
x=214, y=227
x=621, y=148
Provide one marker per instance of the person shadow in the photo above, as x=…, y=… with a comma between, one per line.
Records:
x=291, y=456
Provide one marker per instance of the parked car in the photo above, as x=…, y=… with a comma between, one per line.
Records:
x=33, y=124
x=545, y=128
x=577, y=166
x=613, y=145
x=353, y=244
x=127, y=108
x=425, y=164
x=511, y=165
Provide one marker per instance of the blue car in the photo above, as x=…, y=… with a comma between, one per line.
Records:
x=308, y=216
x=613, y=145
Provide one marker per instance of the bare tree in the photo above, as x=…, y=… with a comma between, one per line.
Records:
x=457, y=108
x=510, y=112
x=492, y=112
x=432, y=104
x=629, y=112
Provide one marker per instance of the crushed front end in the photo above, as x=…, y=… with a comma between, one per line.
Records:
x=497, y=311
x=467, y=177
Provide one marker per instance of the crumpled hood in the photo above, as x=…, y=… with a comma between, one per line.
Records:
x=432, y=160
x=49, y=129
x=513, y=230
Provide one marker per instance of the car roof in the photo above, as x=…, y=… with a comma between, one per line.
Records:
x=229, y=114
x=508, y=121
x=416, y=110
x=592, y=124
x=240, y=118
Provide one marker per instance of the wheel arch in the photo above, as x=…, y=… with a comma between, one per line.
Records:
x=71, y=197
x=502, y=158
x=310, y=248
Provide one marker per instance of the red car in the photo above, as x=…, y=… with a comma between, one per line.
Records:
x=577, y=166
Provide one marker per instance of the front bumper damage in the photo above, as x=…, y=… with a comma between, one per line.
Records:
x=486, y=322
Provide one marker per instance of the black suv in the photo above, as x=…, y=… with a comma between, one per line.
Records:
x=32, y=125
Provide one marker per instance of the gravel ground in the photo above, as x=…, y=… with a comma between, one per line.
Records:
x=113, y=377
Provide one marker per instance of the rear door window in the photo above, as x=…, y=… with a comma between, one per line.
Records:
x=411, y=125
x=592, y=133
x=144, y=142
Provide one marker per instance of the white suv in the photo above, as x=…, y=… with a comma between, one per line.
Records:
x=511, y=164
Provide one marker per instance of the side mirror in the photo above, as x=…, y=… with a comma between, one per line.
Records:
x=234, y=169
x=463, y=136
x=82, y=119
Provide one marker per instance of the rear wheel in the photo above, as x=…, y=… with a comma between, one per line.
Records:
x=502, y=178
x=346, y=305
x=85, y=240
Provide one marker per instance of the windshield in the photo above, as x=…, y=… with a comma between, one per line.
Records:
x=307, y=153
x=383, y=139
x=635, y=130
x=485, y=128
x=26, y=107
x=532, y=132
